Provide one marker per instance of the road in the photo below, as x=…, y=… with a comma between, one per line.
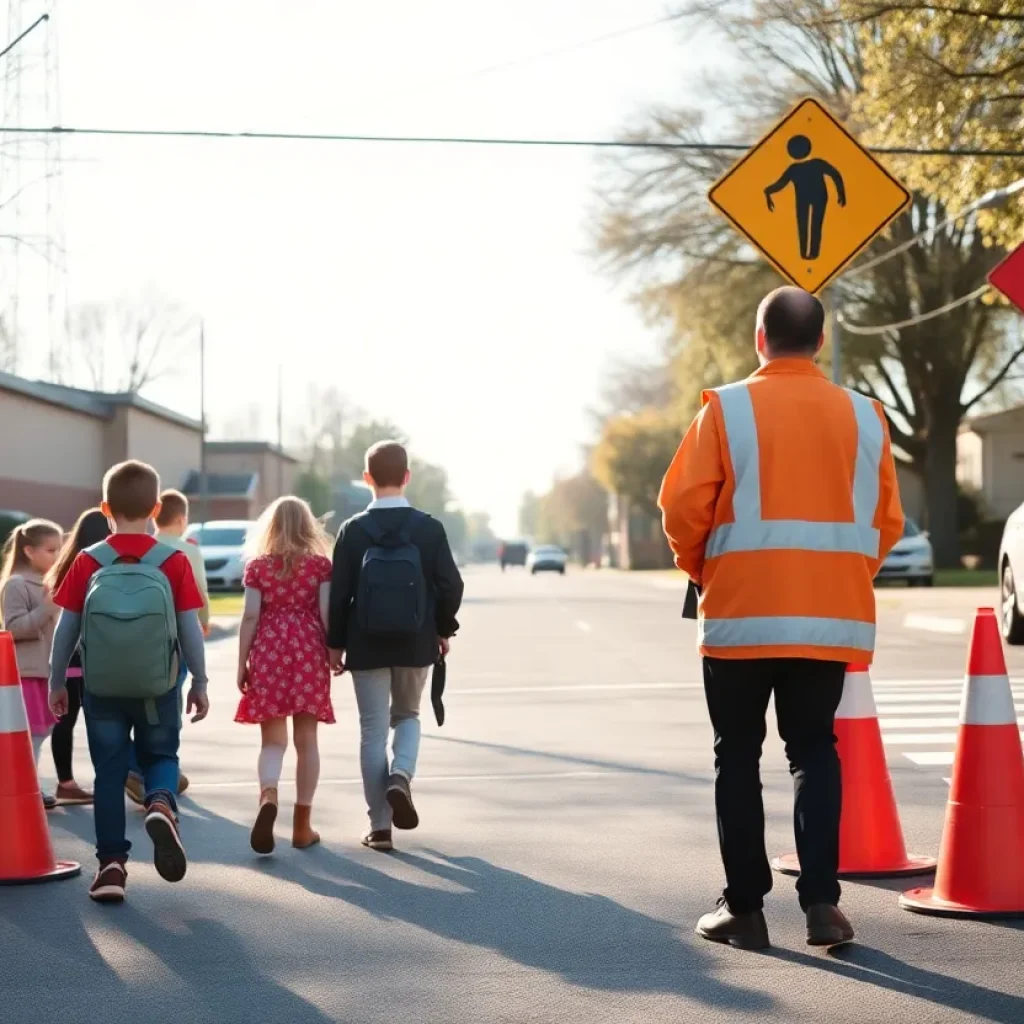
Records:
x=566, y=850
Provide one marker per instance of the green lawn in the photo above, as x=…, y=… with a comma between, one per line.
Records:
x=966, y=578
x=225, y=604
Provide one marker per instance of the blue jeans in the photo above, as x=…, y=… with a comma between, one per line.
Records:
x=133, y=759
x=109, y=724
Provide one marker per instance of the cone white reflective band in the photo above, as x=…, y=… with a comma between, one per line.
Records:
x=987, y=700
x=750, y=532
x=858, y=701
x=12, y=710
x=786, y=630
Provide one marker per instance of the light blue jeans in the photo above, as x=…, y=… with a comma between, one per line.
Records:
x=388, y=698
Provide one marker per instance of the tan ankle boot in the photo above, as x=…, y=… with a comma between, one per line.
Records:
x=261, y=839
x=303, y=835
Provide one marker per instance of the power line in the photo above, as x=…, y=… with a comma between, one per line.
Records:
x=996, y=197
x=724, y=147
x=919, y=319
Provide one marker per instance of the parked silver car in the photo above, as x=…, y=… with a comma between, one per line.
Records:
x=1011, y=578
x=222, y=543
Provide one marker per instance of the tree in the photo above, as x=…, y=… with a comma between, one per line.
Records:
x=529, y=514
x=947, y=73
x=633, y=453
x=428, y=488
x=125, y=345
x=312, y=486
x=574, y=515
x=692, y=272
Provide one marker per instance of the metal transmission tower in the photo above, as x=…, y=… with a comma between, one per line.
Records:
x=33, y=279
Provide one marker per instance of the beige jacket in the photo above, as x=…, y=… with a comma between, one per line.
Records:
x=30, y=615
x=195, y=559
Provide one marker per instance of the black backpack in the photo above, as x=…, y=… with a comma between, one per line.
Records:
x=392, y=595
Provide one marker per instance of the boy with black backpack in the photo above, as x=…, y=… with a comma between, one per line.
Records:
x=130, y=605
x=395, y=592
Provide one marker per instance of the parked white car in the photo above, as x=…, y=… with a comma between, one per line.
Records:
x=911, y=559
x=546, y=558
x=1011, y=576
x=222, y=543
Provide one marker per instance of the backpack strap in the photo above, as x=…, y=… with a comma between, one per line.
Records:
x=157, y=555
x=375, y=531
x=102, y=553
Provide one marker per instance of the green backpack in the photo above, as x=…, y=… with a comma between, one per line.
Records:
x=129, y=642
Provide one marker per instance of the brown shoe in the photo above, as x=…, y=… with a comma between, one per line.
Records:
x=108, y=885
x=403, y=812
x=303, y=835
x=261, y=839
x=135, y=788
x=182, y=782
x=378, y=839
x=48, y=802
x=827, y=926
x=744, y=931
x=168, y=853
x=72, y=793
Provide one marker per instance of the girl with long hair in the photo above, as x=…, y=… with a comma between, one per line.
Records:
x=30, y=616
x=283, y=668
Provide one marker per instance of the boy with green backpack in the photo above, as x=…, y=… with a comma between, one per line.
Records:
x=130, y=605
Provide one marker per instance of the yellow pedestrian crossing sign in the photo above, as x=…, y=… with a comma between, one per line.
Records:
x=809, y=196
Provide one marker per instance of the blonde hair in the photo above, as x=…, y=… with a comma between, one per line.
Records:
x=27, y=535
x=288, y=530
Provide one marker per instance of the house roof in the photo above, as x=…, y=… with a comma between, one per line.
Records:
x=221, y=485
x=248, y=448
x=98, y=404
x=994, y=420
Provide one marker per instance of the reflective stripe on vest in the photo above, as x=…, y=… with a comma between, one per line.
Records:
x=786, y=631
x=12, y=710
x=750, y=532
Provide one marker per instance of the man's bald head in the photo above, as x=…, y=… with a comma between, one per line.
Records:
x=792, y=321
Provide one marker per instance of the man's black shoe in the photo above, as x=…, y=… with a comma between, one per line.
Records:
x=744, y=931
x=827, y=926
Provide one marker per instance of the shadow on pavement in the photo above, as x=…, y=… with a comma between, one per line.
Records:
x=873, y=967
x=589, y=762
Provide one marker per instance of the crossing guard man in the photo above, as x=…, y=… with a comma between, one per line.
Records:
x=781, y=504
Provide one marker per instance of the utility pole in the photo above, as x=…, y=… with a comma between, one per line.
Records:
x=280, y=429
x=837, y=341
x=202, y=419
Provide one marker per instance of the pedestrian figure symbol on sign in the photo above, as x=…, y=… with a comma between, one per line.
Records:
x=807, y=176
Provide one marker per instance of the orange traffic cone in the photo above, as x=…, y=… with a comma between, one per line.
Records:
x=981, y=857
x=25, y=851
x=870, y=836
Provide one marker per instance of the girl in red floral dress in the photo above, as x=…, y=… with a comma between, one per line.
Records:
x=283, y=671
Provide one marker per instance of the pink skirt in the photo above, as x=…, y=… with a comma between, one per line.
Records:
x=37, y=705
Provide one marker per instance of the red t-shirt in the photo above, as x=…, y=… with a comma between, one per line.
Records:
x=71, y=593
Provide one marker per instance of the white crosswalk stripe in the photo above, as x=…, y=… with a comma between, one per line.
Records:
x=919, y=718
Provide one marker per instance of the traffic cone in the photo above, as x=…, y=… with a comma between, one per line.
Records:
x=25, y=851
x=870, y=836
x=981, y=857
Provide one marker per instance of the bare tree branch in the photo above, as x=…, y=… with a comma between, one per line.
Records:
x=996, y=380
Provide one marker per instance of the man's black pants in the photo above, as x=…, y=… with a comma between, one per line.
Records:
x=807, y=694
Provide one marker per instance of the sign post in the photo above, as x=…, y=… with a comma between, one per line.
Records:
x=808, y=196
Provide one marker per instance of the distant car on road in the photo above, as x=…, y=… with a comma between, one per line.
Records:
x=512, y=553
x=911, y=559
x=222, y=543
x=1011, y=576
x=546, y=558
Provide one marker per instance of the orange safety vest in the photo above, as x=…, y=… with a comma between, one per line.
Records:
x=782, y=502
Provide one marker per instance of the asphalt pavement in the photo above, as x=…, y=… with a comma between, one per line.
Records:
x=566, y=849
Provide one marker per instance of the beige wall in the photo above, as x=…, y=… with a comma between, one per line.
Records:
x=1004, y=484
x=912, y=496
x=969, y=461
x=264, y=463
x=171, y=448
x=45, y=444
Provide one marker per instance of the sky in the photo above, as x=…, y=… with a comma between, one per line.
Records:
x=448, y=289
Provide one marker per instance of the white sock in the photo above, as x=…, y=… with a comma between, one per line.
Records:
x=37, y=746
x=270, y=763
